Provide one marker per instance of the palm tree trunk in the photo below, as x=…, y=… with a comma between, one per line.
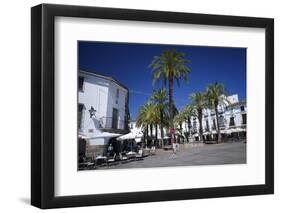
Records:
x=161, y=128
x=151, y=132
x=156, y=135
x=218, y=125
x=146, y=134
x=200, y=124
x=181, y=132
x=185, y=126
x=189, y=126
x=171, y=82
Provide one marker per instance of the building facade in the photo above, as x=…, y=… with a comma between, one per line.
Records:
x=108, y=100
x=102, y=110
x=232, y=118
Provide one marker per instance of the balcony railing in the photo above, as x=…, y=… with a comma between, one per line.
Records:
x=110, y=123
x=193, y=131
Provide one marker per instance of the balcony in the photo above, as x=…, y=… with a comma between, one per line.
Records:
x=193, y=131
x=110, y=123
x=221, y=112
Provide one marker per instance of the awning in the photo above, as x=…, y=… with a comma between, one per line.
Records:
x=214, y=132
x=98, y=135
x=130, y=136
x=165, y=137
x=238, y=129
x=138, y=140
x=226, y=131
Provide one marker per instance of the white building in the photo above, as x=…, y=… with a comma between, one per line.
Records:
x=133, y=127
x=102, y=107
x=232, y=116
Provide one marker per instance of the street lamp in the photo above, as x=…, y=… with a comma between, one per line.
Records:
x=92, y=111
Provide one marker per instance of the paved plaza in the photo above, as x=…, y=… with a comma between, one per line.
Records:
x=193, y=154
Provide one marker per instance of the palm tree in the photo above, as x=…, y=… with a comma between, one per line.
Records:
x=199, y=102
x=159, y=98
x=142, y=120
x=147, y=118
x=178, y=121
x=216, y=95
x=188, y=112
x=170, y=66
x=152, y=118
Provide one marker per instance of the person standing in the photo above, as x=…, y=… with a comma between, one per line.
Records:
x=110, y=150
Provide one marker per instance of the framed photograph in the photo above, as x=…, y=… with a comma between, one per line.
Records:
x=136, y=106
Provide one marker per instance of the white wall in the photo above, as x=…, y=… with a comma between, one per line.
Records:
x=235, y=111
x=15, y=107
x=100, y=93
x=120, y=105
x=233, y=98
x=95, y=94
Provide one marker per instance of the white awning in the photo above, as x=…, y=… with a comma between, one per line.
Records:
x=238, y=129
x=226, y=131
x=214, y=132
x=98, y=135
x=138, y=140
x=130, y=136
x=165, y=137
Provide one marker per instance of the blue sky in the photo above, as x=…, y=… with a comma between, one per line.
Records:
x=129, y=64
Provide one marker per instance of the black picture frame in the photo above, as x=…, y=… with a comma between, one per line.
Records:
x=42, y=105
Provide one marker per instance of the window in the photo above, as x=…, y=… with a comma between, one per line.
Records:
x=81, y=83
x=214, y=124
x=117, y=95
x=244, y=118
x=115, y=118
x=231, y=121
x=207, y=126
x=80, y=114
x=242, y=108
x=221, y=121
x=194, y=126
x=206, y=115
